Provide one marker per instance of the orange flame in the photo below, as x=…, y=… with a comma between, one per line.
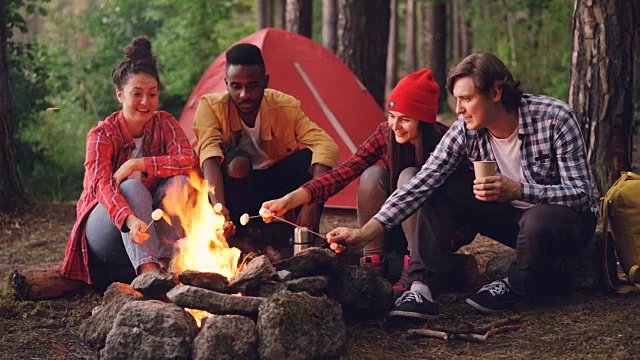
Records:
x=204, y=247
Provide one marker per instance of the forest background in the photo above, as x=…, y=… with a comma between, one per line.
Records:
x=61, y=54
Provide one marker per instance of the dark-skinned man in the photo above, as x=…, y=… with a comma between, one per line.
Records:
x=249, y=141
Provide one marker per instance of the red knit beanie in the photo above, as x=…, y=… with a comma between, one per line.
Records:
x=416, y=95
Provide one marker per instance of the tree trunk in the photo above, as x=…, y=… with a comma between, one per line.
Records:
x=463, y=29
x=282, y=13
x=636, y=71
x=392, y=49
x=426, y=40
x=11, y=191
x=601, y=88
x=454, y=34
x=264, y=14
x=435, y=44
x=299, y=17
x=363, y=35
x=329, y=24
x=410, y=38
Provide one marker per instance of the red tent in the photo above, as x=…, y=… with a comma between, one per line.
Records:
x=330, y=93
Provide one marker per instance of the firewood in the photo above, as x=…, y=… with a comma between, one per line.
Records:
x=466, y=337
x=469, y=332
x=468, y=328
x=43, y=281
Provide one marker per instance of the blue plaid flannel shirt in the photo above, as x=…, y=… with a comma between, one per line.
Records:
x=553, y=158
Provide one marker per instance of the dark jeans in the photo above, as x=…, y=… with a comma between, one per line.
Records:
x=246, y=194
x=541, y=234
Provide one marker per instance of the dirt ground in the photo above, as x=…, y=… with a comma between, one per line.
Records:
x=578, y=326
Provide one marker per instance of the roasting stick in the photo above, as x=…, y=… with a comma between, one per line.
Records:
x=265, y=213
x=156, y=215
x=244, y=219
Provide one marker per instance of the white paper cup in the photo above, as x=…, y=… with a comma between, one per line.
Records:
x=484, y=168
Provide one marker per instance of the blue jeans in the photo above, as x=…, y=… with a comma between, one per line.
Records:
x=112, y=254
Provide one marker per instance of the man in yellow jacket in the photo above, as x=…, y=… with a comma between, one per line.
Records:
x=249, y=137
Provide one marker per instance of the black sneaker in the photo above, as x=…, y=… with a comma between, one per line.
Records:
x=495, y=297
x=412, y=304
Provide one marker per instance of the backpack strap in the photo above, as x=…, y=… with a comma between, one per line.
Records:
x=610, y=265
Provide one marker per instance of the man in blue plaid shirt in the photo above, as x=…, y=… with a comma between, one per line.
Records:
x=542, y=201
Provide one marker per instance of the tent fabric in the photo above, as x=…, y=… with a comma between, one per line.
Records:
x=330, y=94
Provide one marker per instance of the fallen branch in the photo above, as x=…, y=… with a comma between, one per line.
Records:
x=466, y=337
x=470, y=332
x=469, y=328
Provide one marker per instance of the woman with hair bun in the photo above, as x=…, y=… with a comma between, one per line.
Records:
x=131, y=157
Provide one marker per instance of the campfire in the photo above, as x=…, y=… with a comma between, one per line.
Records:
x=206, y=305
x=204, y=247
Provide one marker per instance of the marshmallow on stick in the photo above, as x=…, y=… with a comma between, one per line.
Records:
x=156, y=215
x=264, y=212
x=244, y=219
x=267, y=216
x=217, y=208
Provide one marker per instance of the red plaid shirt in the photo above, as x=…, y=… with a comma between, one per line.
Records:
x=166, y=152
x=371, y=151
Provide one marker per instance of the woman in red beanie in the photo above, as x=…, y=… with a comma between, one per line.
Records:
x=403, y=143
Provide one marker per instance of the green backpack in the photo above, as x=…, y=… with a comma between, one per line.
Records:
x=620, y=214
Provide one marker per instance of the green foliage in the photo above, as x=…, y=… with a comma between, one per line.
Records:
x=69, y=66
x=532, y=37
x=187, y=44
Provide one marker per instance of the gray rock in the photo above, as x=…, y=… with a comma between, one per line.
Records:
x=154, y=284
x=94, y=330
x=314, y=285
x=116, y=289
x=361, y=291
x=214, y=302
x=310, y=262
x=283, y=275
x=205, y=280
x=300, y=326
x=226, y=337
x=258, y=270
x=266, y=289
x=150, y=330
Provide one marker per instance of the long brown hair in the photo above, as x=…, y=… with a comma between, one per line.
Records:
x=402, y=156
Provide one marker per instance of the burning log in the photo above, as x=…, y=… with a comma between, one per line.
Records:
x=42, y=282
x=470, y=332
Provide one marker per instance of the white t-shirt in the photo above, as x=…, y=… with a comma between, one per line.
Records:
x=249, y=143
x=507, y=153
x=136, y=153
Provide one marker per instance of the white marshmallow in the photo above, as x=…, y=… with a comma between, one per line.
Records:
x=217, y=208
x=264, y=212
x=156, y=215
x=244, y=219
